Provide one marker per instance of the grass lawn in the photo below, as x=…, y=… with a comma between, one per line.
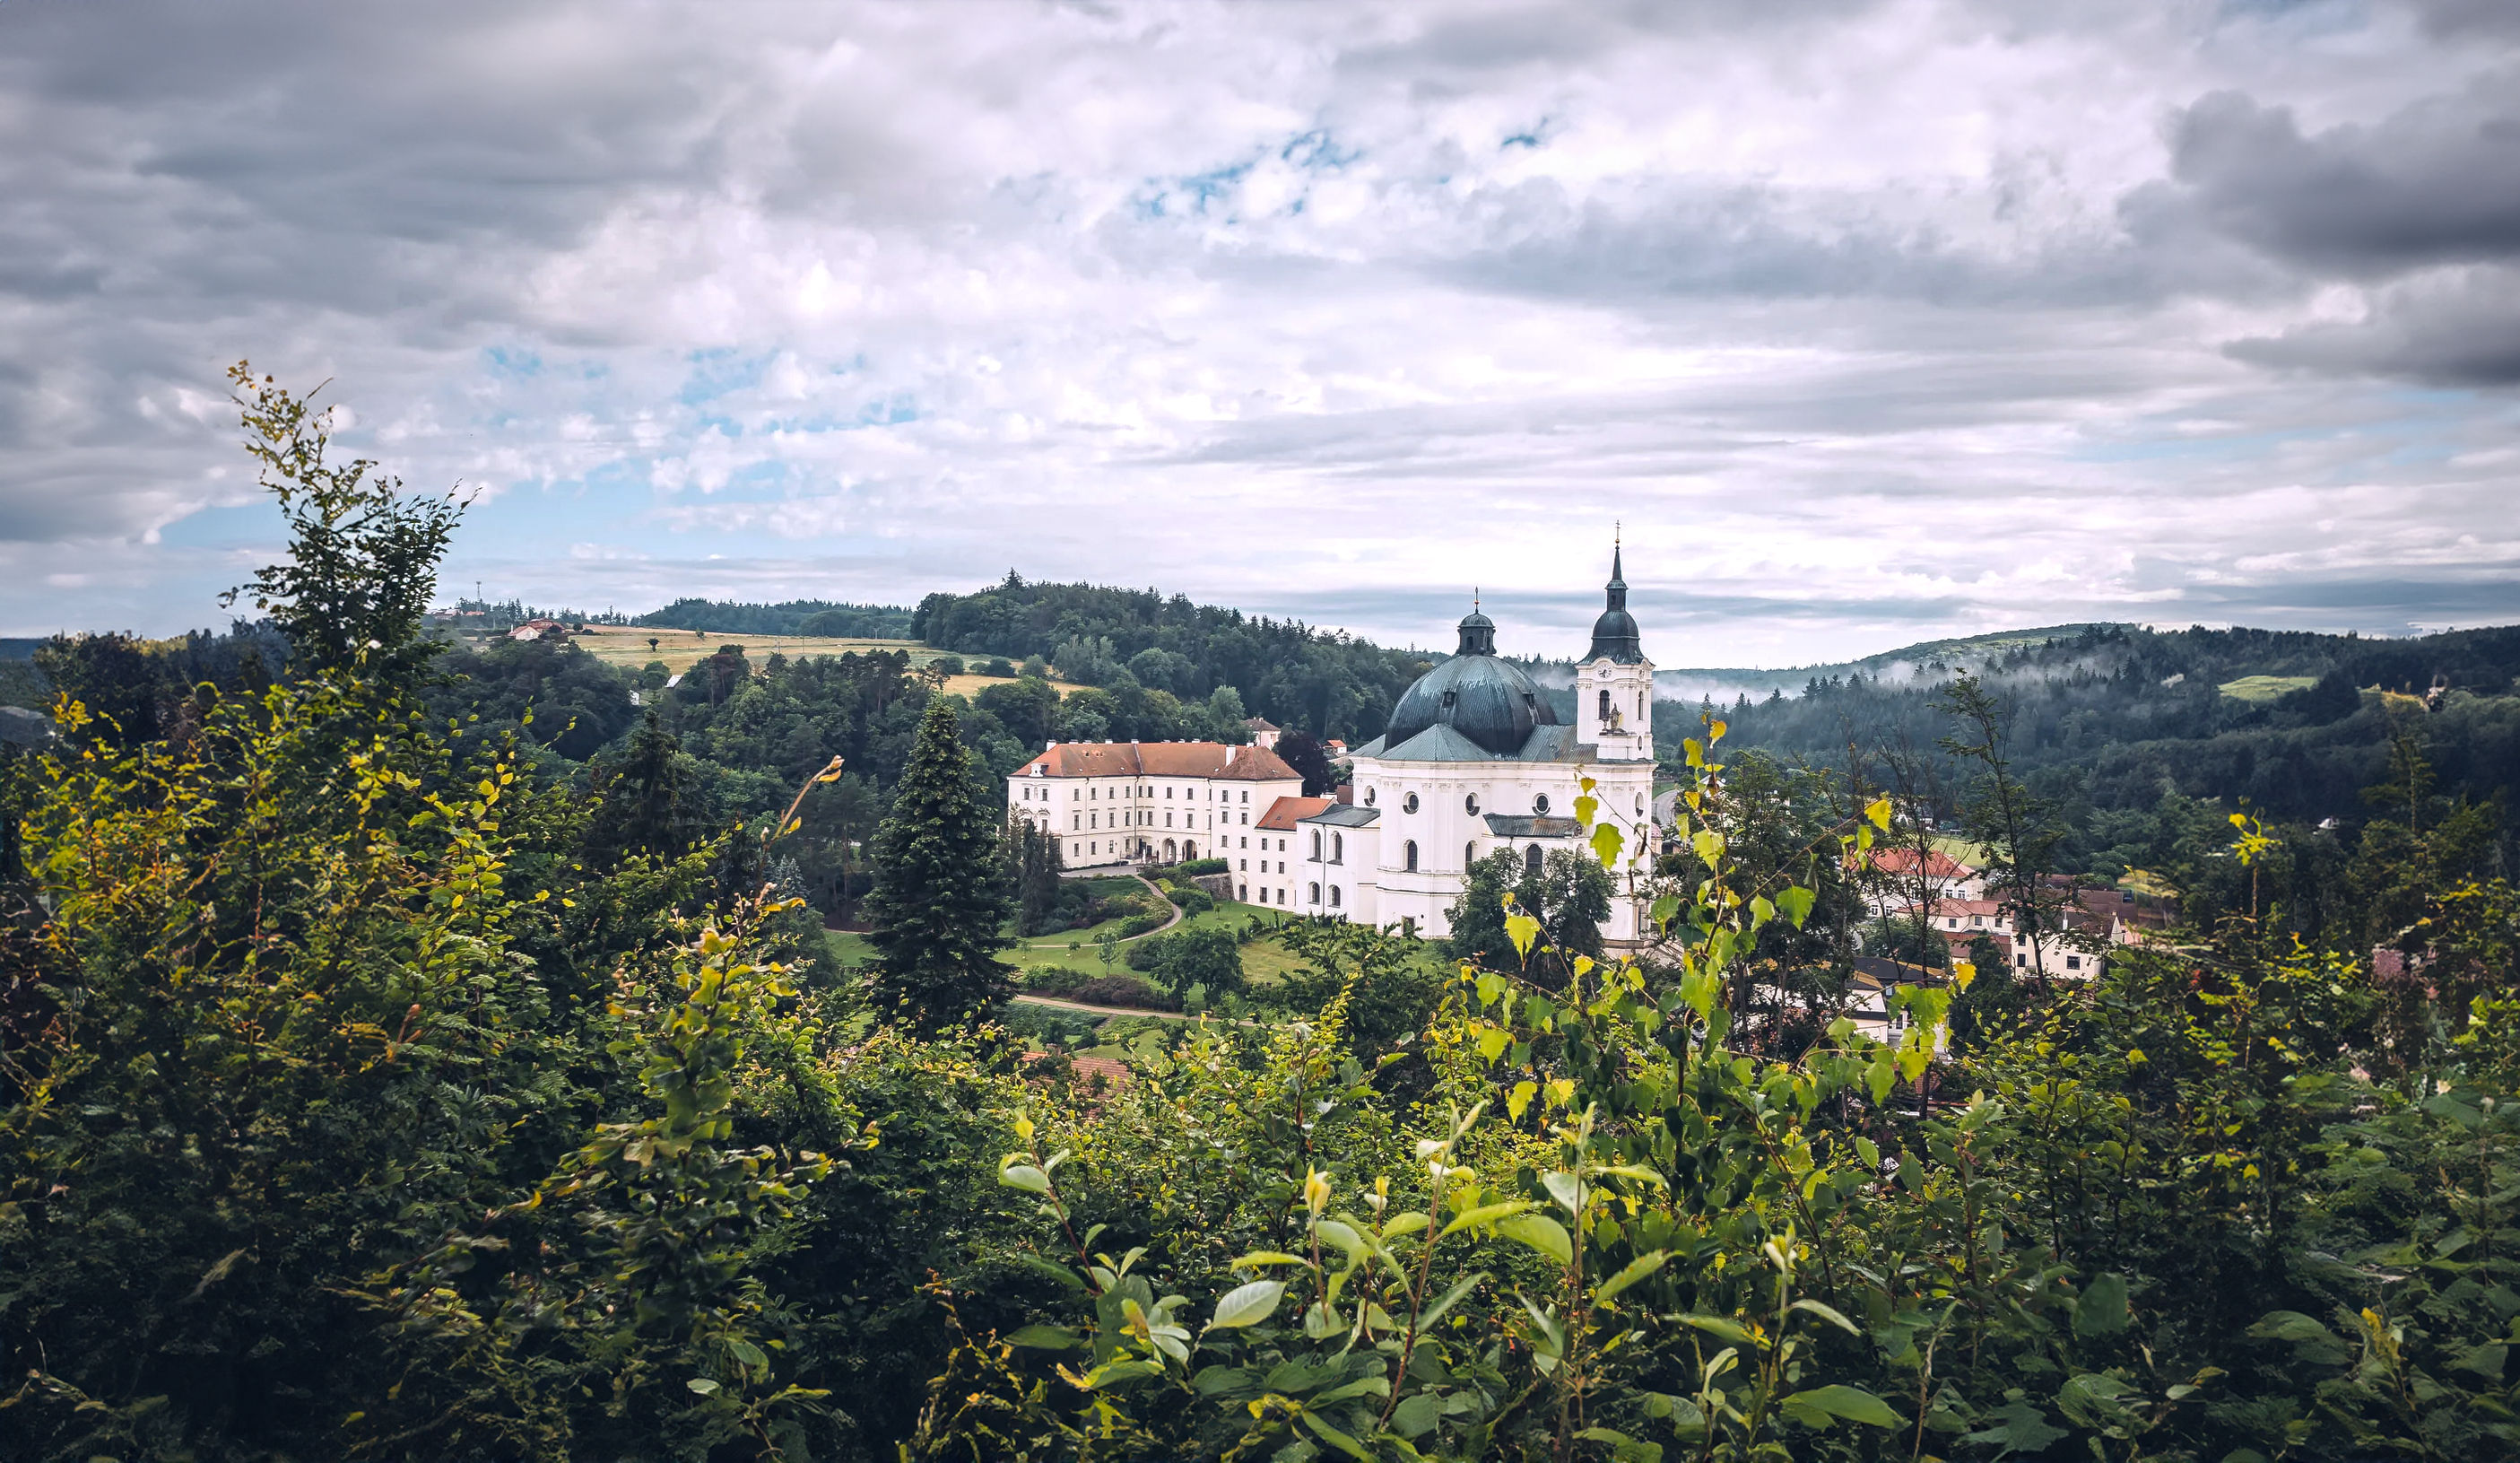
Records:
x=2258, y=688
x=626, y=645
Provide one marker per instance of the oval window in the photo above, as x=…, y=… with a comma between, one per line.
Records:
x=1540, y=806
x=1470, y=804
x=1368, y=796
x=1408, y=805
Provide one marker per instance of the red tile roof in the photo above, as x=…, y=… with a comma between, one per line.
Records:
x=1938, y=865
x=1284, y=812
x=1162, y=760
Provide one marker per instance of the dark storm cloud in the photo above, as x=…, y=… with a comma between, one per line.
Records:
x=2454, y=328
x=2434, y=183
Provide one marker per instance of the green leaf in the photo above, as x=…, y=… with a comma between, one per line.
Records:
x=1025, y=1177
x=1427, y=1318
x=1797, y=903
x=1607, y=844
x=1716, y=1325
x=749, y=1353
x=1852, y=1403
x=2024, y=1430
x=1635, y=1271
x=1041, y=1338
x=702, y=1384
x=1416, y=1414
x=2446, y=1105
x=1567, y=1189
x=1059, y=1272
x=1362, y=1386
x=1269, y=1257
x=1829, y=1314
x=2102, y=1308
x=1522, y=929
x=1485, y=1214
x=1336, y=1439
x=1248, y=1304
x=1541, y=1233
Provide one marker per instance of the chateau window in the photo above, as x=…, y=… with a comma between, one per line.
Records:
x=1409, y=856
x=1246, y=866
x=1247, y=794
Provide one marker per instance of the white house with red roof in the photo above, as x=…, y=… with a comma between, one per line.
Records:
x=1114, y=804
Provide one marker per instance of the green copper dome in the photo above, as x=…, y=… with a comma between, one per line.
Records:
x=1489, y=701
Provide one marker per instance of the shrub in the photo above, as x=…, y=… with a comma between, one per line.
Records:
x=1140, y=924
x=1194, y=900
x=1197, y=866
x=997, y=666
x=1124, y=991
x=950, y=664
x=1052, y=979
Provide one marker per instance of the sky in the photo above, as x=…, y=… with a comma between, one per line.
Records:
x=1862, y=322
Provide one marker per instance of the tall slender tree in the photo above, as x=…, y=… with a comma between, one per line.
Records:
x=940, y=890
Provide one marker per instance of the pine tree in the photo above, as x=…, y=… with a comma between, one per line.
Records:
x=1034, y=863
x=940, y=893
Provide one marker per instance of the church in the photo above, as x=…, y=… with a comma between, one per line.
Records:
x=1475, y=760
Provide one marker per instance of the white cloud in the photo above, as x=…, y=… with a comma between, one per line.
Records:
x=1871, y=320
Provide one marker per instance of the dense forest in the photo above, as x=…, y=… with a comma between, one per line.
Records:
x=1325, y=684
x=382, y=1079
x=792, y=618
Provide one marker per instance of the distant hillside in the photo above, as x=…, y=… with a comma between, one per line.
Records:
x=792, y=618
x=2112, y=716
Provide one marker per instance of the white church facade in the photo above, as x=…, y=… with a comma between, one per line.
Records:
x=1474, y=760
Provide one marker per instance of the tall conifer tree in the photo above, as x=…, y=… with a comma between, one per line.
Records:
x=941, y=891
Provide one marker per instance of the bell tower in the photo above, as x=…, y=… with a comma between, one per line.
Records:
x=1614, y=681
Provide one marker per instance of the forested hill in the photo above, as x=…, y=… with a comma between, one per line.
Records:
x=1294, y=674
x=2115, y=715
x=794, y=617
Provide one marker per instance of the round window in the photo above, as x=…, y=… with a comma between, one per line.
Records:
x=1540, y=806
x=1408, y=805
x=1368, y=796
x=1470, y=804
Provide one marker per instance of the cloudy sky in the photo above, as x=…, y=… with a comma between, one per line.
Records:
x=1871, y=321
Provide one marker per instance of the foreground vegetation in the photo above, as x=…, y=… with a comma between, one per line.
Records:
x=373, y=1089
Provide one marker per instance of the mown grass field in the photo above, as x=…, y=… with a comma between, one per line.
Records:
x=2261, y=688
x=626, y=645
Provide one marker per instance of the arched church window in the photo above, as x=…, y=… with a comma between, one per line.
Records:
x=1605, y=702
x=1470, y=853
x=1531, y=860
x=1409, y=856
x=1315, y=891
x=1317, y=846
x=1641, y=706
x=1408, y=805
x=1470, y=804
x=1334, y=903
x=1339, y=850
x=1540, y=806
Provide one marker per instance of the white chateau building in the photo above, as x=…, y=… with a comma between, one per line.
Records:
x=1474, y=760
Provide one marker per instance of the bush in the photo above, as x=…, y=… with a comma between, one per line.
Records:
x=1124, y=991
x=1197, y=866
x=997, y=666
x=1193, y=900
x=950, y=664
x=1052, y=979
x=1140, y=924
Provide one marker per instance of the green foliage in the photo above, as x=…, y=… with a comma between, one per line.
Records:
x=1204, y=955
x=940, y=895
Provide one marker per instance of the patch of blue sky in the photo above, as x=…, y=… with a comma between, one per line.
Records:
x=1535, y=136
x=241, y=526
x=721, y=371
x=512, y=361
x=1317, y=151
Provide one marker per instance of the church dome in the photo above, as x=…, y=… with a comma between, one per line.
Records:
x=1489, y=701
